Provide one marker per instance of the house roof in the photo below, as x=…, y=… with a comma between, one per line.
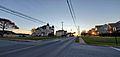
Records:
x=44, y=27
x=112, y=24
x=61, y=31
x=118, y=22
x=98, y=26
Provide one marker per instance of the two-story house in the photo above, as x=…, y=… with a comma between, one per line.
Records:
x=45, y=30
x=101, y=29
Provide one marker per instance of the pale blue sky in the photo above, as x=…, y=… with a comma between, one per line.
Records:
x=88, y=12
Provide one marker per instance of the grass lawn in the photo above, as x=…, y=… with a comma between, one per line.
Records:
x=103, y=41
x=30, y=38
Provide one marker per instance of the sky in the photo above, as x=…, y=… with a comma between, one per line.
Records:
x=88, y=12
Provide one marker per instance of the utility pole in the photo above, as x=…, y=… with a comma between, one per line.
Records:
x=62, y=25
x=62, y=29
x=71, y=30
x=78, y=30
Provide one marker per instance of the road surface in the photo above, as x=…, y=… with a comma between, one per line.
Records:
x=59, y=48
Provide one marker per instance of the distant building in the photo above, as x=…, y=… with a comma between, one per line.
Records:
x=92, y=32
x=13, y=34
x=100, y=29
x=70, y=34
x=61, y=33
x=45, y=30
x=112, y=27
x=22, y=35
x=107, y=29
x=118, y=27
x=7, y=32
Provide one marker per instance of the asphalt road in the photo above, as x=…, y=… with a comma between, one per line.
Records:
x=59, y=48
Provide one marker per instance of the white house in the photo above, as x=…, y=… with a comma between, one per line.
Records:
x=101, y=29
x=118, y=26
x=61, y=33
x=112, y=27
x=45, y=30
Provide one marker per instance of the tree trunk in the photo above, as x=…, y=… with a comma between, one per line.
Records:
x=3, y=30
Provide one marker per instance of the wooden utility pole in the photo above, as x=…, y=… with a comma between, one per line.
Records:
x=62, y=25
x=78, y=30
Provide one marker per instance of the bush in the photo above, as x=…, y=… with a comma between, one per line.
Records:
x=110, y=34
x=77, y=40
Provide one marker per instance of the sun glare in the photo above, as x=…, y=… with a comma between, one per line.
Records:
x=21, y=31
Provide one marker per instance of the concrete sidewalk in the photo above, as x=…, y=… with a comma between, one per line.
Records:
x=82, y=41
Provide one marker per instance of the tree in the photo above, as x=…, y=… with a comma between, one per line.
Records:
x=33, y=30
x=6, y=24
x=84, y=33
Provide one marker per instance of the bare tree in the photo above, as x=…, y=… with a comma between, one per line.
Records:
x=6, y=24
x=33, y=30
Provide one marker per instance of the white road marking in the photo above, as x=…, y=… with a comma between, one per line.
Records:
x=115, y=48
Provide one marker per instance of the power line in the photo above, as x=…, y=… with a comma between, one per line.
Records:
x=20, y=14
x=17, y=15
x=72, y=12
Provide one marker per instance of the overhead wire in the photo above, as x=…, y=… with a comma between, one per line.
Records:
x=16, y=15
x=21, y=15
x=7, y=10
x=72, y=12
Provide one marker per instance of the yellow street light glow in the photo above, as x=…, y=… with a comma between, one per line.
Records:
x=93, y=33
